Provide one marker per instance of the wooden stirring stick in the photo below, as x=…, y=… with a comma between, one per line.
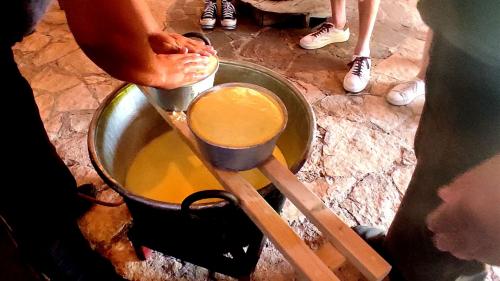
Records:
x=259, y=211
x=343, y=238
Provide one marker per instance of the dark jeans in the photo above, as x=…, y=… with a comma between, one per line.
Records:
x=459, y=128
x=38, y=195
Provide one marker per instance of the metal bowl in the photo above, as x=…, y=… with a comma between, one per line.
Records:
x=238, y=158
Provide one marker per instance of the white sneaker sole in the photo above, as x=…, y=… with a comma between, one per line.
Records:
x=355, y=90
x=339, y=38
x=207, y=24
x=228, y=25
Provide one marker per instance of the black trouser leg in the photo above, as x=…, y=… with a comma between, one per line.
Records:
x=38, y=193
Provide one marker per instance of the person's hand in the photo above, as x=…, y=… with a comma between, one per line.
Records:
x=173, y=43
x=467, y=223
x=178, y=70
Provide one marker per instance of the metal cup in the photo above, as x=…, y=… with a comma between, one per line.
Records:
x=178, y=99
x=238, y=158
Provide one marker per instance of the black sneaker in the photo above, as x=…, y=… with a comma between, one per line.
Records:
x=228, y=15
x=207, y=20
x=69, y=257
x=375, y=237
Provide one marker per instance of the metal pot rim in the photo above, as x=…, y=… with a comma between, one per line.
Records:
x=108, y=179
x=245, y=85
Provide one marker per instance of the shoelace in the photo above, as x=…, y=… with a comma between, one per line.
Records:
x=228, y=10
x=324, y=28
x=210, y=10
x=357, y=65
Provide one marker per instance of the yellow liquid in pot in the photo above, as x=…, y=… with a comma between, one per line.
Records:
x=236, y=117
x=167, y=170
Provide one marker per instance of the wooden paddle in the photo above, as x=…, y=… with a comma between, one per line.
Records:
x=345, y=240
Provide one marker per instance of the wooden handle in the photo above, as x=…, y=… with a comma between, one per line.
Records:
x=259, y=211
x=347, y=242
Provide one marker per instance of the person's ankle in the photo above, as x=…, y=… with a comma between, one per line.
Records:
x=362, y=53
x=340, y=25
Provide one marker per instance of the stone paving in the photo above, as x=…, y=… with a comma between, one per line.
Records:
x=362, y=159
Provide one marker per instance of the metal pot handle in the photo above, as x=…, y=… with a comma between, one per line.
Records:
x=205, y=194
x=198, y=35
x=93, y=200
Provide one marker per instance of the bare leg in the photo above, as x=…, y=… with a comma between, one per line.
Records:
x=425, y=56
x=338, y=18
x=367, y=14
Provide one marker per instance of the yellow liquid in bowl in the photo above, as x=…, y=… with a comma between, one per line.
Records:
x=167, y=170
x=236, y=117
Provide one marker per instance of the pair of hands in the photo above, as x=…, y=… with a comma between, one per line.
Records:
x=467, y=223
x=184, y=60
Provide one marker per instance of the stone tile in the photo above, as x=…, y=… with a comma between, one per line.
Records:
x=406, y=130
x=61, y=34
x=353, y=149
x=85, y=174
x=195, y=11
x=290, y=212
x=73, y=150
x=401, y=177
x=80, y=121
x=27, y=71
x=387, y=38
x=44, y=27
x=373, y=201
x=310, y=92
x=411, y=48
x=222, y=43
x=54, y=124
x=158, y=8
x=383, y=115
x=184, y=25
x=76, y=98
x=52, y=81
x=32, y=43
x=280, y=270
x=53, y=52
x=45, y=105
x=381, y=84
x=103, y=89
x=55, y=16
x=266, y=53
x=399, y=67
x=327, y=81
x=102, y=224
x=122, y=253
x=398, y=13
x=78, y=63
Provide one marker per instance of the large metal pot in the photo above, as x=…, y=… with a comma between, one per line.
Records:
x=178, y=99
x=218, y=236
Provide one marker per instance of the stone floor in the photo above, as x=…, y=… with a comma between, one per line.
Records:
x=362, y=159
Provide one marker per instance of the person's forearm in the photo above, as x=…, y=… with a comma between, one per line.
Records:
x=114, y=34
